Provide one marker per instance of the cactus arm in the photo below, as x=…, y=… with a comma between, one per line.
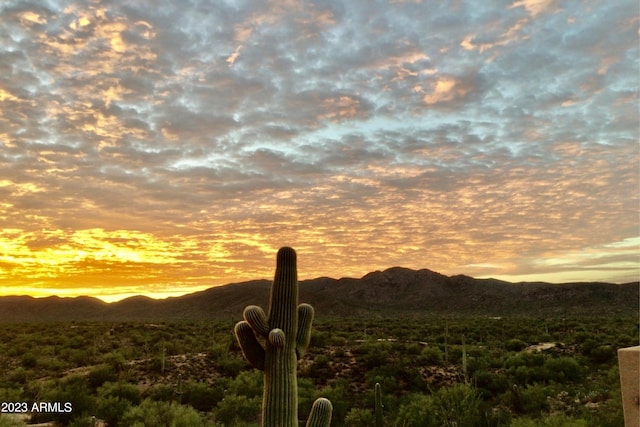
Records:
x=277, y=338
x=256, y=318
x=320, y=415
x=249, y=344
x=305, y=319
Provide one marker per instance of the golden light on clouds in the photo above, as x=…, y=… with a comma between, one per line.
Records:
x=168, y=149
x=443, y=90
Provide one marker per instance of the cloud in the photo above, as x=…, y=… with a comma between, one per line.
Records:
x=464, y=139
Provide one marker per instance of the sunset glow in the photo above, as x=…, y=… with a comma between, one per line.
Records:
x=164, y=150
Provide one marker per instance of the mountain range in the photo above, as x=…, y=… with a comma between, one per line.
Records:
x=393, y=291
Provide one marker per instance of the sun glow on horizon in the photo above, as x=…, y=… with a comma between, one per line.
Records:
x=115, y=265
x=135, y=166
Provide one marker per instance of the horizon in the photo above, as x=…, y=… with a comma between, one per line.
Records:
x=112, y=298
x=157, y=151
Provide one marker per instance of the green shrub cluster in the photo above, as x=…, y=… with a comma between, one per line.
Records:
x=112, y=371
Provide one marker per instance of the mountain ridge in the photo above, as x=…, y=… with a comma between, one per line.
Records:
x=396, y=290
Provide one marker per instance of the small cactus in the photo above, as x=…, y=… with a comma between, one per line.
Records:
x=379, y=406
x=286, y=331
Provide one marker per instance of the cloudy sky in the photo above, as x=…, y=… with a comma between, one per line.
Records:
x=160, y=147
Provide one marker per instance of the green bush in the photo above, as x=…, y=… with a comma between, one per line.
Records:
x=73, y=389
x=319, y=369
x=358, y=417
x=161, y=414
x=121, y=390
x=602, y=354
x=29, y=360
x=549, y=421
x=231, y=365
x=247, y=383
x=115, y=360
x=201, y=396
x=236, y=410
x=416, y=411
x=431, y=356
x=112, y=409
x=563, y=369
x=11, y=421
x=532, y=399
x=515, y=345
x=458, y=405
x=100, y=375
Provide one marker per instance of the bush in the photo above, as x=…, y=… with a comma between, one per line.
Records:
x=11, y=421
x=29, y=360
x=515, y=345
x=431, y=356
x=549, y=421
x=319, y=369
x=201, y=396
x=100, y=375
x=458, y=405
x=358, y=417
x=602, y=354
x=231, y=365
x=73, y=389
x=531, y=399
x=120, y=390
x=416, y=412
x=161, y=414
x=238, y=410
x=562, y=369
x=112, y=409
x=247, y=383
x=115, y=360
x=374, y=354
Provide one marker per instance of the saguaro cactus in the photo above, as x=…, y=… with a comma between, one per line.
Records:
x=286, y=332
x=378, y=405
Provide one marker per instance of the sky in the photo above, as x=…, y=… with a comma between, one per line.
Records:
x=163, y=147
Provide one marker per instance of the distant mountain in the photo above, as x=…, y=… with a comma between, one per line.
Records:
x=392, y=291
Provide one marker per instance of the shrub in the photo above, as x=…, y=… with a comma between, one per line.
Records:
x=160, y=414
x=100, y=375
x=201, y=396
x=531, y=399
x=416, y=412
x=112, y=409
x=431, y=356
x=602, y=354
x=549, y=421
x=374, y=354
x=458, y=405
x=73, y=389
x=563, y=368
x=121, y=390
x=11, y=421
x=115, y=360
x=238, y=410
x=515, y=345
x=358, y=417
x=247, y=383
x=231, y=365
x=319, y=369
x=29, y=360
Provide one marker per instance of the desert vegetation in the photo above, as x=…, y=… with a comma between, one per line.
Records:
x=433, y=371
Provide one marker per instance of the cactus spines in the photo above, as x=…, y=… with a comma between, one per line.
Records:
x=378, y=405
x=286, y=332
